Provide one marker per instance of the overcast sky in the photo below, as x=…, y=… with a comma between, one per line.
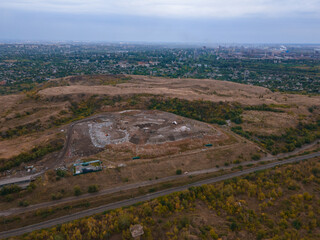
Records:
x=207, y=21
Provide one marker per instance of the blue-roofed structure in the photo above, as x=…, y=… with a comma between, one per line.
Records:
x=87, y=167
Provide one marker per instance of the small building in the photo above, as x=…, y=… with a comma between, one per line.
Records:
x=86, y=167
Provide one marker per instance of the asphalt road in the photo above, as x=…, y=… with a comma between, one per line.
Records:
x=128, y=202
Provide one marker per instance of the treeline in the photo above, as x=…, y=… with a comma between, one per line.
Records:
x=291, y=139
x=200, y=110
x=279, y=203
x=35, y=154
x=22, y=130
x=6, y=190
x=263, y=107
x=205, y=111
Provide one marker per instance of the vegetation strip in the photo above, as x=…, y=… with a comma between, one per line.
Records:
x=35, y=154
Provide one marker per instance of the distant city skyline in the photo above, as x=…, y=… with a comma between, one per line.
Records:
x=202, y=21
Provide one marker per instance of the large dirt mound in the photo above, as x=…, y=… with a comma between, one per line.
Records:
x=134, y=127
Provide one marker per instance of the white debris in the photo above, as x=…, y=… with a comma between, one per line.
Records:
x=136, y=230
x=100, y=136
x=127, y=111
x=182, y=129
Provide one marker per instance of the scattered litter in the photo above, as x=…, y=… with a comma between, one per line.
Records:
x=62, y=168
x=30, y=169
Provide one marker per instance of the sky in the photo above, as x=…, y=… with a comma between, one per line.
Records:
x=183, y=21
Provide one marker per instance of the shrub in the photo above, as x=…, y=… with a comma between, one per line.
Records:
x=124, y=221
x=179, y=172
x=255, y=157
x=56, y=196
x=9, y=198
x=31, y=187
x=183, y=222
x=234, y=226
x=24, y=203
x=77, y=191
x=296, y=224
x=213, y=234
x=61, y=173
x=93, y=188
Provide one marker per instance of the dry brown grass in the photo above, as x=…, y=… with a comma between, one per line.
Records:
x=13, y=147
x=267, y=122
x=190, y=89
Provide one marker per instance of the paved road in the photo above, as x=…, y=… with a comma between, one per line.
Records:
x=128, y=202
